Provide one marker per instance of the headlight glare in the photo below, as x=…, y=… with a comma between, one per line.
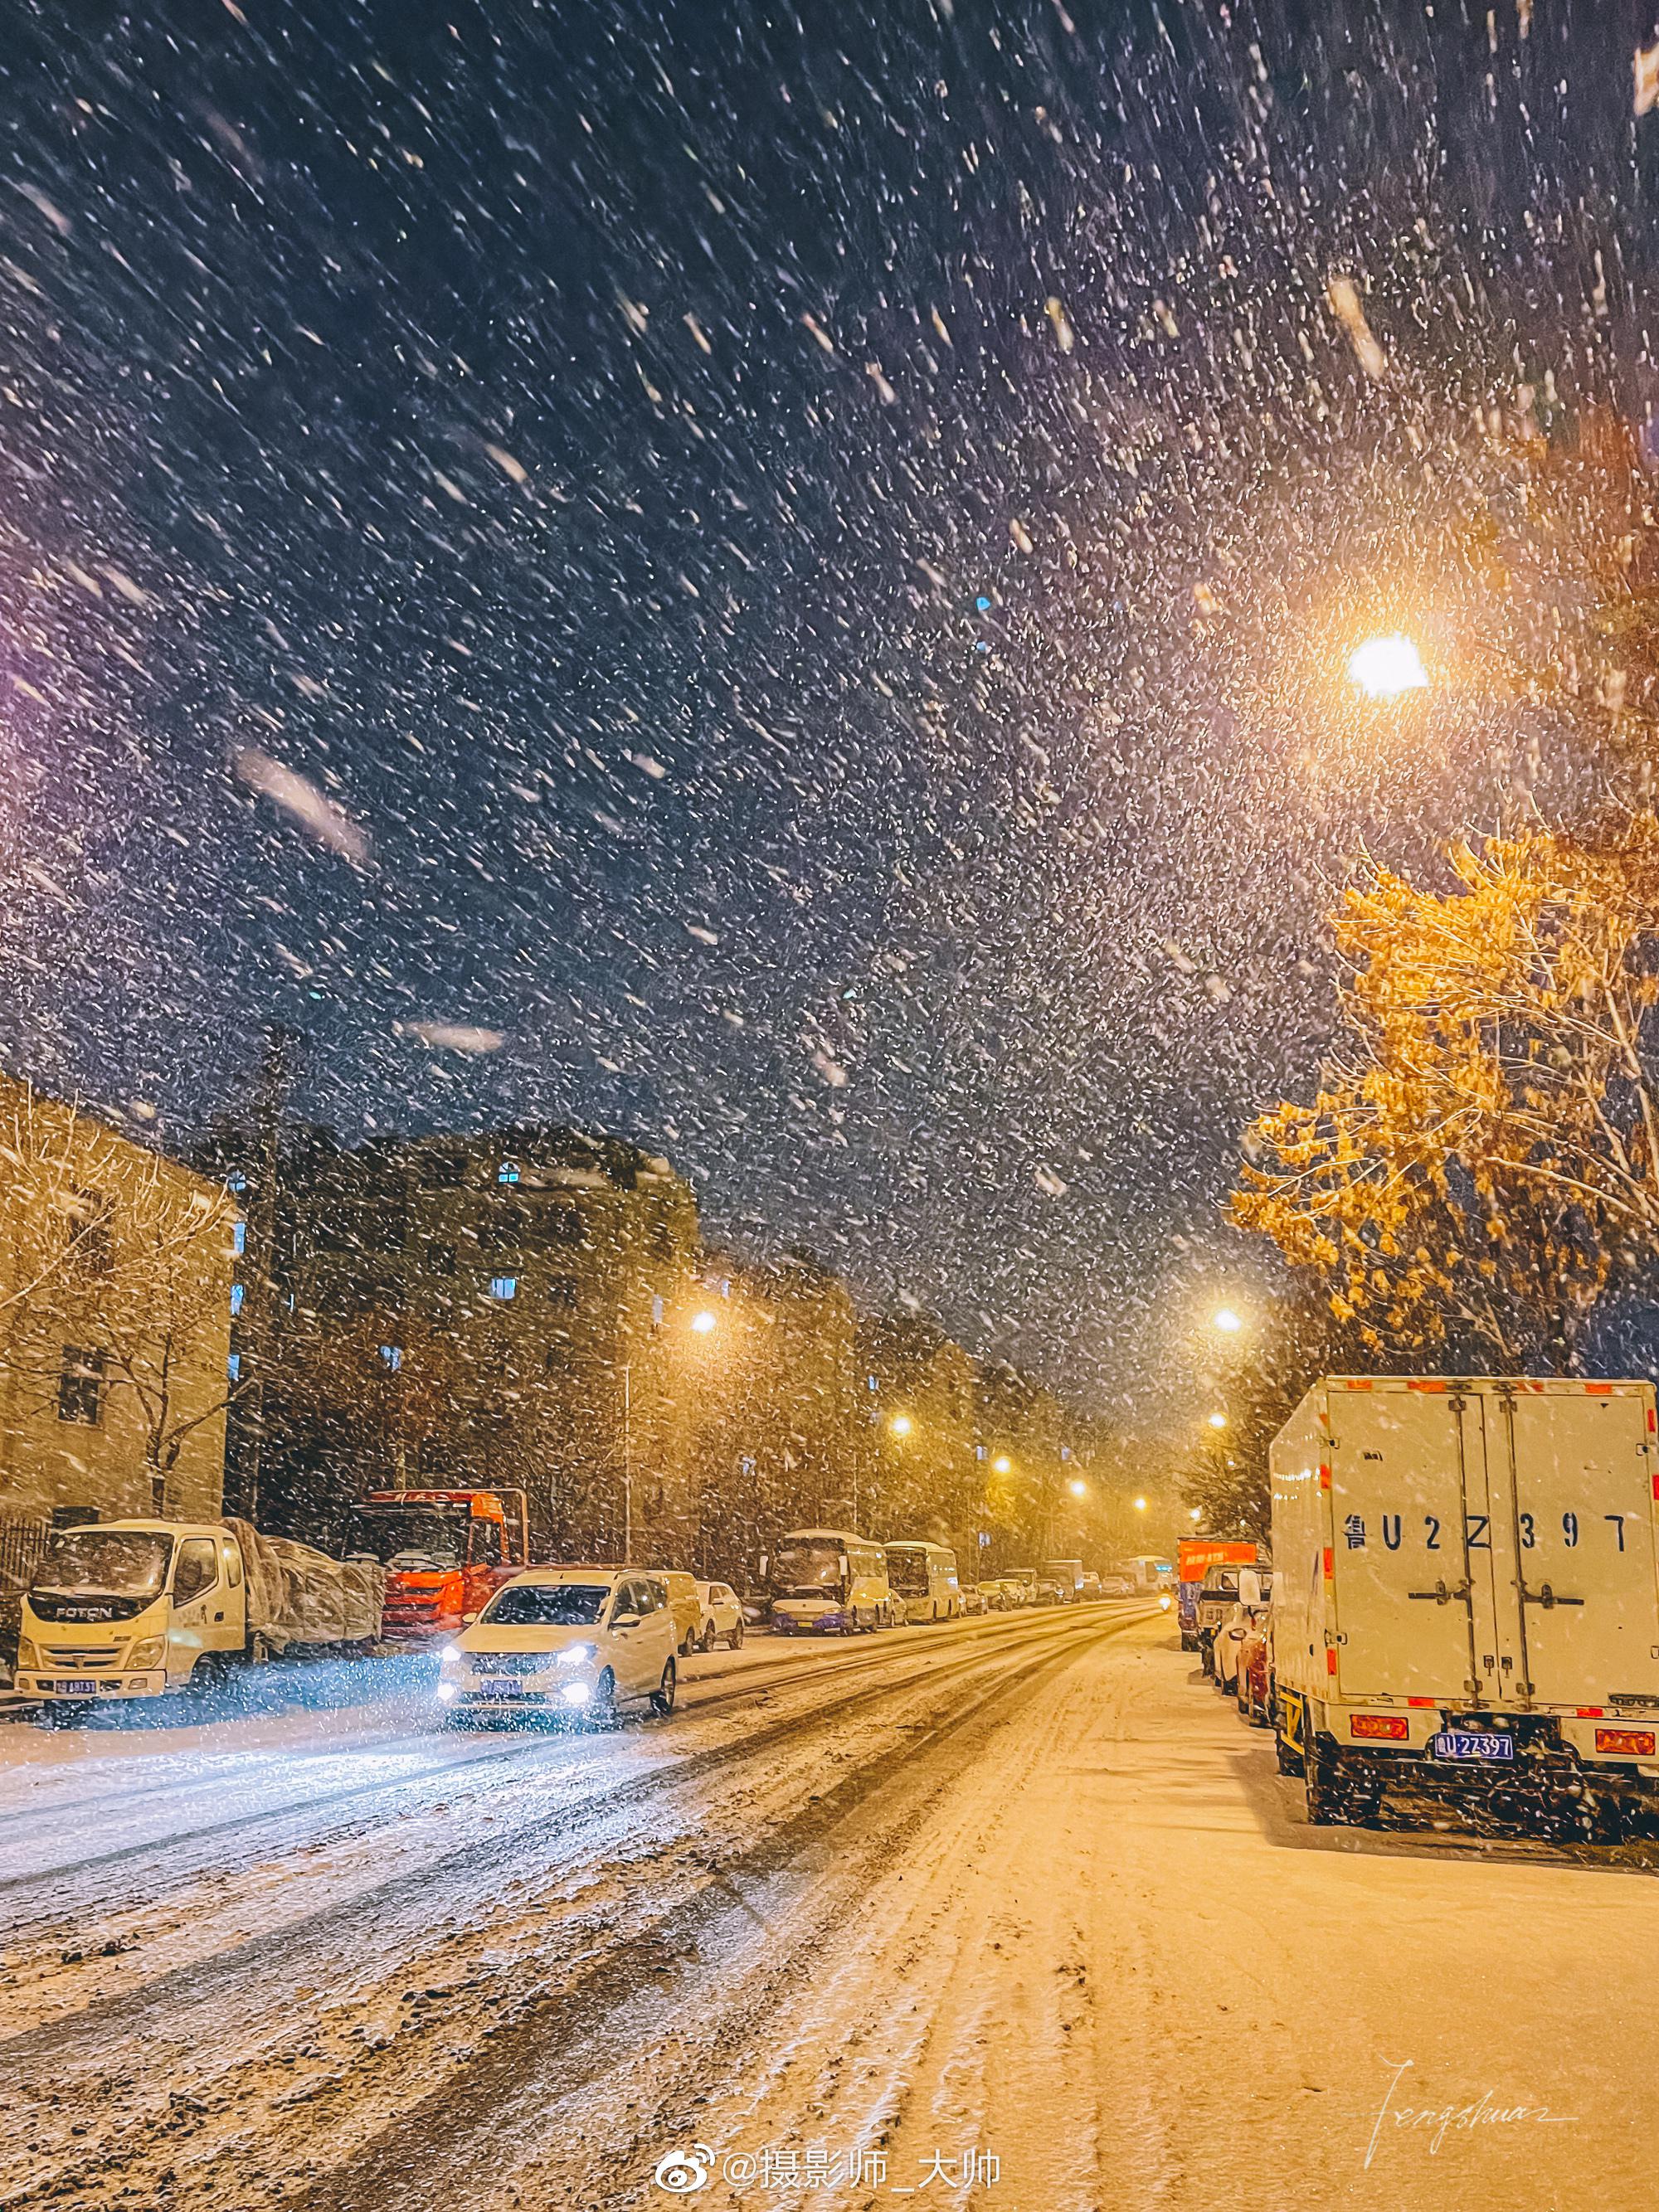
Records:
x=573, y=1654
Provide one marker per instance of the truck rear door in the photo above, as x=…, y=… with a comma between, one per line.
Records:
x=1410, y=1594
x=1577, y=1565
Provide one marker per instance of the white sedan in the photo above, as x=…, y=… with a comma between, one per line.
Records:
x=722, y=1616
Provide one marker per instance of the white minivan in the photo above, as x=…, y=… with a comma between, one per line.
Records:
x=825, y=1579
x=925, y=1576
x=576, y=1643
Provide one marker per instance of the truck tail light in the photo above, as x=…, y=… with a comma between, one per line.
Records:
x=1632, y=1743
x=1390, y=1727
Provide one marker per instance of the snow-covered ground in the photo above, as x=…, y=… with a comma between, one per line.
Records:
x=1014, y=1913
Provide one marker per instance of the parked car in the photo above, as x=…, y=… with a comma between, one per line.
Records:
x=1117, y=1585
x=973, y=1598
x=685, y=1603
x=569, y=1643
x=1256, y=1672
x=1050, y=1591
x=1229, y=1639
x=722, y=1616
x=1090, y=1588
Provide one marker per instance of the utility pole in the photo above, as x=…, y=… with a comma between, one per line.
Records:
x=278, y=1059
x=628, y=1461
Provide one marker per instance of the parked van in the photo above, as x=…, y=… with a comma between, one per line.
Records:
x=826, y=1579
x=925, y=1577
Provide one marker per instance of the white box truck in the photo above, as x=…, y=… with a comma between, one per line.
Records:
x=1466, y=1599
x=136, y=1609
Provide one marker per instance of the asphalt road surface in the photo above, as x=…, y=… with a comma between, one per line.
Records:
x=1012, y=1914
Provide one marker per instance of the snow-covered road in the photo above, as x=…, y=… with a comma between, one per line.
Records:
x=1014, y=1913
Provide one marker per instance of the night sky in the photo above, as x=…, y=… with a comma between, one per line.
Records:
x=778, y=570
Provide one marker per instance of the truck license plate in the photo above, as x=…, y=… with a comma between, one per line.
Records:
x=1471, y=1744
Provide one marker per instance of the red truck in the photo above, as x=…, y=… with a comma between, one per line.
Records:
x=1195, y=1557
x=445, y=1553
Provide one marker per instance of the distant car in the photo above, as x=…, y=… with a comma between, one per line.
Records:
x=1115, y=1585
x=685, y=1603
x=721, y=1617
x=973, y=1598
x=1089, y=1588
x=1255, y=1675
x=576, y=1644
x=1051, y=1592
x=756, y=1608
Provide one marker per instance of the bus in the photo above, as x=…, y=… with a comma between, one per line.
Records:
x=925, y=1577
x=826, y=1580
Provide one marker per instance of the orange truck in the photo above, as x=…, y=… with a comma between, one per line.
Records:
x=1195, y=1557
x=445, y=1553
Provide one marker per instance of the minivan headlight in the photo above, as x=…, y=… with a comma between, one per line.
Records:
x=148, y=1653
x=573, y=1654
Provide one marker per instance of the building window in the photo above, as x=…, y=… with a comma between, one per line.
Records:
x=1066, y=1451
x=440, y=1259
x=236, y=1179
x=561, y=1291
x=873, y=1382
x=503, y=1286
x=92, y=1244
x=233, y=1366
x=393, y=1356
x=507, y=1171
x=982, y=1451
x=657, y=1311
x=239, y=1238
x=80, y=1386
x=237, y=1294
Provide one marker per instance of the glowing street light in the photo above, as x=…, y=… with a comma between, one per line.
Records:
x=1002, y=1464
x=1226, y=1320
x=1217, y=1420
x=1386, y=668
x=1078, y=1489
x=704, y=1323
x=1141, y=1505
x=1195, y=1512
x=902, y=1425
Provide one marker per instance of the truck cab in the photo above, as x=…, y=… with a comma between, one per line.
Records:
x=445, y=1553
x=131, y=1609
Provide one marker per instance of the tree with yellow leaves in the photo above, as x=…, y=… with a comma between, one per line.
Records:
x=1481, y=1162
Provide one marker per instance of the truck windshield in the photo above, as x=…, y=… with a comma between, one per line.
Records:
x=408, y=1536
x=806, y=1570
x=546, y=1605
x=104, y=1563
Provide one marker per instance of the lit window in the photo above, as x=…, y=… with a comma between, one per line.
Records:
x=233, y=1366
x=393, y=1356
x=503, y=1286
x=1066, y=1451
x=507, y=1171
x=872, y=1383
x=236, y=1179
x=237, y=1294
x=656, y=1312
x=980, y=1451
x=239, y=1238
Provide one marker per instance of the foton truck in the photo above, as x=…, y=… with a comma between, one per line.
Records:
x=445, y=1553
x=1466, y=1599
x=121, y=1609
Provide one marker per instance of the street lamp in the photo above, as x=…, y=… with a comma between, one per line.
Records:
x=902, y=1425
x=1385, y=668
x=1226, y=1320
x=1141, y=1505
x=703, y=1322
x=1195, y=1512
x=1217, y=1420
x=1002, y=1464
x=1078, y=1489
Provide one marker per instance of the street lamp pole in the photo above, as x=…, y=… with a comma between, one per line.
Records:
x=628, y=1461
